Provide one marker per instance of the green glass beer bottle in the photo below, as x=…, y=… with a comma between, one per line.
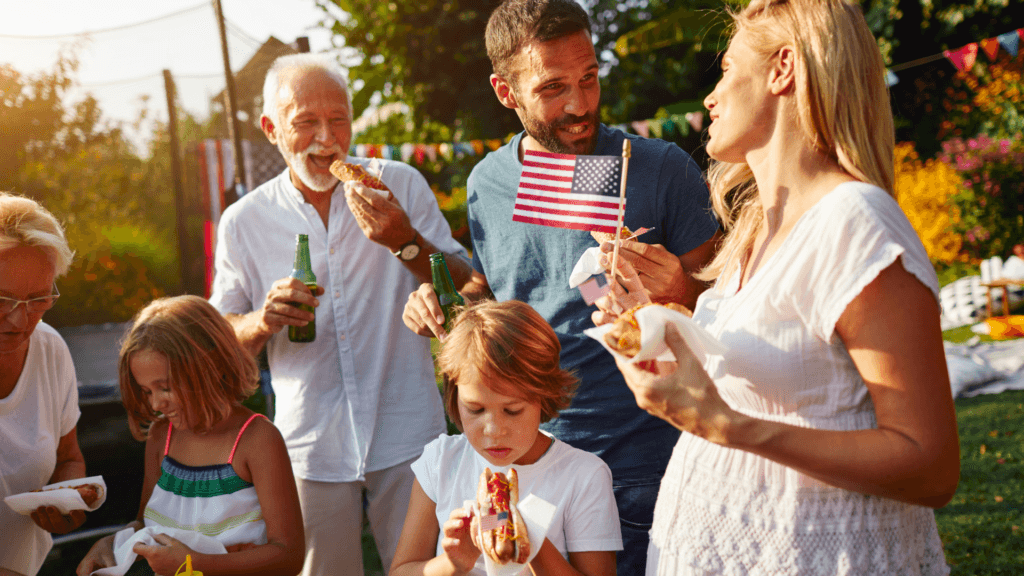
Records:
x=303, y=272
x=444, y=288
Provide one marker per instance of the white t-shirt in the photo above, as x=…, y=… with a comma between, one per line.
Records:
x=362, y=397
x=41, y=409
x=722, y=510
x=577, y=483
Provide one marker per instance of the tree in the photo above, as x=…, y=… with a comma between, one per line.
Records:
x=428, y=54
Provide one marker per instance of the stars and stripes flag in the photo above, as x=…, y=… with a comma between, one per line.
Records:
x=569, y=191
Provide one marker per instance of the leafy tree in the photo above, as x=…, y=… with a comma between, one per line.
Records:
x=429, y=54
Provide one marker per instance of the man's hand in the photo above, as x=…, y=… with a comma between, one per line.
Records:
x=660, y=271
x=280, y=310
x=423, y=313
x=379, y=215
x=50, y=519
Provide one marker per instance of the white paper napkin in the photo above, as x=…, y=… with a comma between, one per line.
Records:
x=588, y=265
x=126, y=539
x=652, y=320
x=537, y=514
x=58, y=495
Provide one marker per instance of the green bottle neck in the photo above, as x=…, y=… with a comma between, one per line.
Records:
x=302, y=270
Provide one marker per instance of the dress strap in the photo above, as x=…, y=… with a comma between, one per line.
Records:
x=239, y=437
x=167, y=445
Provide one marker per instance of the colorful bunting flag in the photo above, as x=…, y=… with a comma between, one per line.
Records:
x=569, y=191
x=890, y=78
x=640, y=128
x=1010, y=41
x=963, y=58
x=991, y=47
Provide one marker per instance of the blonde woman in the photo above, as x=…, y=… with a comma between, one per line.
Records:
x=821, y=441
x=38, y=393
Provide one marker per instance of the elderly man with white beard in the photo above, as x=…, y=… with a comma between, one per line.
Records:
x=357, y=405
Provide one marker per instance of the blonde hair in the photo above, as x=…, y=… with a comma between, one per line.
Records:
x=513, y=349
x=24, y=222
x=210, y=372
x=842, y=108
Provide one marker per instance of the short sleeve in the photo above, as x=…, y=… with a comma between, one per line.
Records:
x=230, y=293
x=70, y=412
x=858, y=232
x=592, y=518
x=689, y=218
x=425, y=468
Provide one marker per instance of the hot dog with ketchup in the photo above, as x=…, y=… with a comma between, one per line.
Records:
x=499, y=495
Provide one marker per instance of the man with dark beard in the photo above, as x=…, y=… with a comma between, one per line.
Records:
x=546, y=70
x=356, y=405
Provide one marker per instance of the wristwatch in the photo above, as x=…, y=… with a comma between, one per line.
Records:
x=410, y=250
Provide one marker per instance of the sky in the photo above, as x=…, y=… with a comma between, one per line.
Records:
x=124, y=45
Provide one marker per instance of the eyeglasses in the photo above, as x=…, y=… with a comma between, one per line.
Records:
x=33, y=305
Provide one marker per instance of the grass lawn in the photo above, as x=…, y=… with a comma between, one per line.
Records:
x=982, y=529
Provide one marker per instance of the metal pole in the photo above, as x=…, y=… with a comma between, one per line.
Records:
x=229, y=104
x=179, y=195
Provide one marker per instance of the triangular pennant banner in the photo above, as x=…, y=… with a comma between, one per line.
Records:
x=432, y=152
x=890, y=78
x=478, y=146
x=406, y=151
x=640, y=127
x=991, y=47
x=1010, y=41
x=654, y=127
x=446, y=151
x=361, y=150
x=419, y=153
x=963, y=58
x=494, y=143
x=696, y=120
x=682, y=124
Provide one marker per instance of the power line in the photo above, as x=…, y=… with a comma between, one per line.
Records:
x=112, y=29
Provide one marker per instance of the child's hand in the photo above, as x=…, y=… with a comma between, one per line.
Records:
x=457, y=542
x=166, y=559
x=101, y=555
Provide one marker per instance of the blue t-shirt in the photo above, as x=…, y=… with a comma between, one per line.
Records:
x=664, y=191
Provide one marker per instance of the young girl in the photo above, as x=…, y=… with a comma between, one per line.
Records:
x=212, y=465
x=502, y=380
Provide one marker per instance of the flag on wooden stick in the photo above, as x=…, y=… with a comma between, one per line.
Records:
x=570, y=191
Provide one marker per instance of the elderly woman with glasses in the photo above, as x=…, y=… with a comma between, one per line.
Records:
x=38, y=394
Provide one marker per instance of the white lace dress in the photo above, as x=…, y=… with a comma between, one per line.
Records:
x=725, y=511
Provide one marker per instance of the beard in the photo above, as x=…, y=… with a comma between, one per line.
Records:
x=298, y=163
x=547, y=134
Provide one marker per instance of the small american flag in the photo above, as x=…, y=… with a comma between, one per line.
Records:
x=492, y=521
x=568, y=191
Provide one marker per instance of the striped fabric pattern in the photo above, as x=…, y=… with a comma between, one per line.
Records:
x=211, y=500
x=569, y=191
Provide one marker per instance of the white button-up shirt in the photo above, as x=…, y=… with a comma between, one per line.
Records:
x=362, y=397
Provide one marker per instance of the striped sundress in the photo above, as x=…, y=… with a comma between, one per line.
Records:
x=212, y=500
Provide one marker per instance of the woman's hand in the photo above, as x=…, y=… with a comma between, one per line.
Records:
x=627, y=292
x=458, y=544
x=101, y=555
x=681, y=392
x=166, y=558
x=50, y=519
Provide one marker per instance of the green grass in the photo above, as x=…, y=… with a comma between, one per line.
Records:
x=982, y=529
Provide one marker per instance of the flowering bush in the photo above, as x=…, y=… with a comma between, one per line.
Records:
x=986, y=99
x=923, y=190
x=990, y=199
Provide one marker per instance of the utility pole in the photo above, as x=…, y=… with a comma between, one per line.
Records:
x=229, y=105
x=179, y=195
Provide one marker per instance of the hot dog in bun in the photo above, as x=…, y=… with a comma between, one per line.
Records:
x=603, y=237
x=90, y=493
x=624, y=337
x=355, y=173
x=498, y=495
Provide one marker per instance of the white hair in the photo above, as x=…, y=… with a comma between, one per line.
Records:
x=23, y=222
x=299, y=63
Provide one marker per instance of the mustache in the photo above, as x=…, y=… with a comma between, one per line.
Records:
x=316, y=148
x=569, y=119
